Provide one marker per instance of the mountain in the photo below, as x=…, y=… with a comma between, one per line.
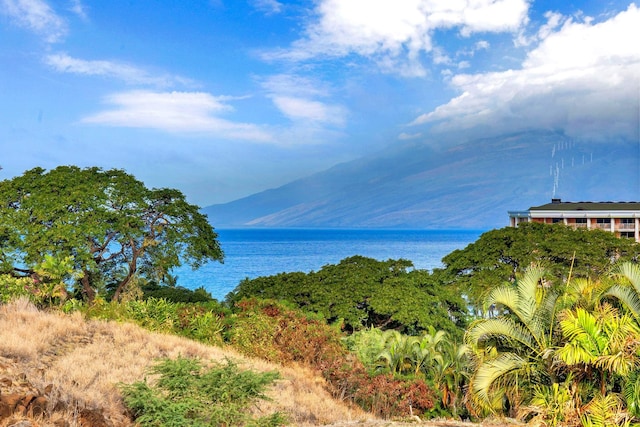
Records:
x=470, y=185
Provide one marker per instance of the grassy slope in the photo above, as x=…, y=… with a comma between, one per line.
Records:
x=85, y=360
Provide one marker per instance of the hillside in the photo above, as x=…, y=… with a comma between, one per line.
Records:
x=65, y=370
x=470, y=185
x=76, y=364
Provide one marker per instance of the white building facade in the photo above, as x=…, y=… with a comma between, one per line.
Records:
x=621, y=218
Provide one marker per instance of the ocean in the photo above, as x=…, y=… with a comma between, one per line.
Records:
x=251, y=253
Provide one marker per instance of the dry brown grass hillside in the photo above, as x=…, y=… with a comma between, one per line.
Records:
x=73, y=366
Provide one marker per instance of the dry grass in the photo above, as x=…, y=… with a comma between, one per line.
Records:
x=84, y=361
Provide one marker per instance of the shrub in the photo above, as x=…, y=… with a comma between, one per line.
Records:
x=187, y=394
x=13, y=287
x=271, y=330
x=175, y=293
x=204, y=322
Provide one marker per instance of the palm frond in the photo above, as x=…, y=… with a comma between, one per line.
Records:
x=501, y=328
x=628, y=296
x=490, y=370
x=631, y=271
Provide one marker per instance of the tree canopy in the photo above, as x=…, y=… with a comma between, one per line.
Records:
x=365, y=292
x=499, y=255
x=106, y=223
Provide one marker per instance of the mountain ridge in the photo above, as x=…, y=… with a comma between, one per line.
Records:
x=469, y=185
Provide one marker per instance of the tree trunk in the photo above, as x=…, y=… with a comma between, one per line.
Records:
x=87, y=290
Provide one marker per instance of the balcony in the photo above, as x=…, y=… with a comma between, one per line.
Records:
x=626, y=227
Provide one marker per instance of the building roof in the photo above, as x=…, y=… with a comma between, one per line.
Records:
x=558, y=205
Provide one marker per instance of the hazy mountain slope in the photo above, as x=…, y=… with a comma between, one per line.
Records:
x=471, y=185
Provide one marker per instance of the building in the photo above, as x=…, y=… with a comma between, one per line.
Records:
x=621, y=218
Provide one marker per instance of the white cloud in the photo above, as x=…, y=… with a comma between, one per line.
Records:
x=78, y=8
x=583, y=78
x=175, y=112
x=305, y=109
x=292, y=84
x=269, y=7
x=297, y=98
x=64, y=63
x=482, y=45
x=406, y=136
x=36, y=16
x=397, y=33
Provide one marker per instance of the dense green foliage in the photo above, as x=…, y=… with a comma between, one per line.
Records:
x=433, y=356
x=499, y=255
x=278, y=333
x=175, y=293
x=188, y=394
x=566, y=356
x=363, y=292
x=204, y=322
x=555, y=340
x=106, y=224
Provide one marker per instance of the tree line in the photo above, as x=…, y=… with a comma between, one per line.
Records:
x=539, y=322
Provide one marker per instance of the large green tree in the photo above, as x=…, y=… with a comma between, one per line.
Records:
x=499, y=255
x=111, y=225
x=365, y=292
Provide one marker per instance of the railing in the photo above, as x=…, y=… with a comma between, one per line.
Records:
x=602, y=226
x=626, y=226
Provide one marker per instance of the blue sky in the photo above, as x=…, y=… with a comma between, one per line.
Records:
x=225, y=98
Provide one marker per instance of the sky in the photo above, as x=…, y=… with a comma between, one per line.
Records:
x=225, y=98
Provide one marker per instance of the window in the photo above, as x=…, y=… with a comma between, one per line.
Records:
x=581, y=221
x=628, y=234
x=556, y=220
x=627, y=224
x=603, y=221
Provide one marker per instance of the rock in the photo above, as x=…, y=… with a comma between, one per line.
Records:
x=38, y=406
x=27, y=399
x=5, y=411
x=11, y=400
x=93, y=418
x=61, y=423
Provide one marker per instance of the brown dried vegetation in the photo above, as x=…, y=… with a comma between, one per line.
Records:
x=77, y=365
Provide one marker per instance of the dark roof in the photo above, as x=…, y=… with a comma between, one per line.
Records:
x=588, y=206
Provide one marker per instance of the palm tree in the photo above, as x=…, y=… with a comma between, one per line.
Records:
x=516, y=347
x=628, y=290
x=427, y=351
x=451, y=374
x=397, y=355
x=600, y=343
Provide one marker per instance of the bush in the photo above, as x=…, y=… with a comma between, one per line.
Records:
x=204, y=322
x=269, y=329
x=175, y=293
x=13, y=287
x=186, y=394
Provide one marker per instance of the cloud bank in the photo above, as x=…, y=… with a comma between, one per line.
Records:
x=583, y=78
x=395, y=34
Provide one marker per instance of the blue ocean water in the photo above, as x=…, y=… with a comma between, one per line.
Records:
x=251, y=253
